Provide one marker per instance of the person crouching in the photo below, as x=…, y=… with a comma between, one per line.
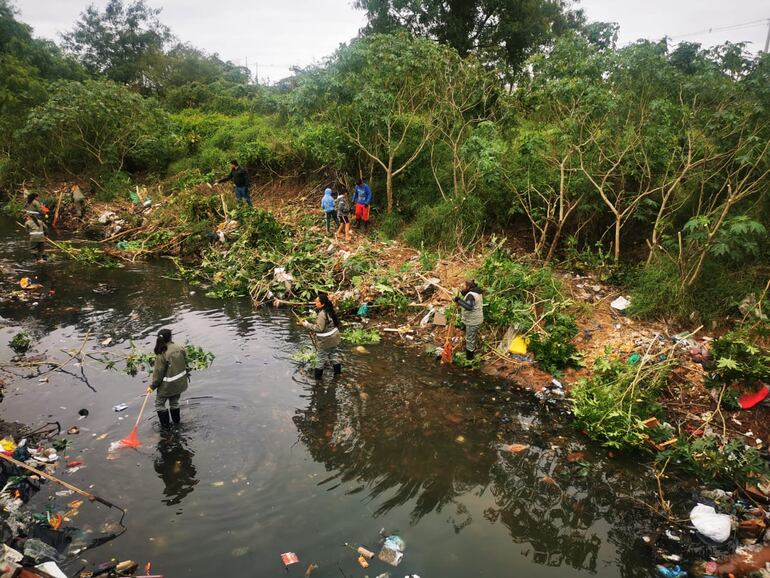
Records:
x=169, y=378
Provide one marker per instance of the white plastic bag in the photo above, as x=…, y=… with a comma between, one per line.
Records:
x=714, y=526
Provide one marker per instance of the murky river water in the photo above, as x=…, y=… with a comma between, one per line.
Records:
x=269, y=462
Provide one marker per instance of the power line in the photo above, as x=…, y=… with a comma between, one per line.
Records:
x=741, y=26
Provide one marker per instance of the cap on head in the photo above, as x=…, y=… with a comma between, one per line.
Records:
x=165, y=334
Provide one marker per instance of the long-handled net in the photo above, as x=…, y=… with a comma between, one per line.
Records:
x=131, y=440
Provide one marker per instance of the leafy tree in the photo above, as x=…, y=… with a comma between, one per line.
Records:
x=381, y=93
x=121, y=42
x=502, y=32
x=26, y=66
x=94, y=124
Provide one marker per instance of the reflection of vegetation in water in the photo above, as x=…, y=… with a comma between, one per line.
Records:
x=430, y=446
x=306, y=354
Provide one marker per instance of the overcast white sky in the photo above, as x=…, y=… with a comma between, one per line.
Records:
x=274, y=35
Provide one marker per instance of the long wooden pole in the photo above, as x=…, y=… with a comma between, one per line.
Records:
x=56, y=480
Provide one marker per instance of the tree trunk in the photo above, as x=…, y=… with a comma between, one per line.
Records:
x=389, y=185
x=618, y=225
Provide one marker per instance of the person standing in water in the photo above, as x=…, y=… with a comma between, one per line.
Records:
x=36, y=227
x=169, y=378
x=327, y=332
x=472, y=303
x=79, y=201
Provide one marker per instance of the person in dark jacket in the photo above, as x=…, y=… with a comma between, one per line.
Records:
x=169, y=378
x=240, y=179
x=471, y=301
x=327, y=332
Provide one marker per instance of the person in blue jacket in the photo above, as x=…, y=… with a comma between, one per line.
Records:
x=363, y=198
x=327, y=204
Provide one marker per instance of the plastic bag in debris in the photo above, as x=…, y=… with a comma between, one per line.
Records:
x=392, y=551
x=39, y=551
x=51, y=569
x=620, y=304
x=716, y=527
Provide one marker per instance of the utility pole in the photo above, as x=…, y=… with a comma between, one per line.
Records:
x=767, y=40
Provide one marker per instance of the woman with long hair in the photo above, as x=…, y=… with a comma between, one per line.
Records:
x=169, y=378
x=327, y=332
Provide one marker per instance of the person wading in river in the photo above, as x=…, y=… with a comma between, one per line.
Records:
x=240, y=179
x=36, y=227
x=169, y=378
x=326, y=328
x=34, y=205
x=472, y=303
x=79, y=201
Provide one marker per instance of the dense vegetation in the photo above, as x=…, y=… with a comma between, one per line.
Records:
x=650, y=161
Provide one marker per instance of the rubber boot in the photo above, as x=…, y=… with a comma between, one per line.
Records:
x=337, y=368
x=165, y=419
x=318, y=373
x=175, y=417
x=469, y=355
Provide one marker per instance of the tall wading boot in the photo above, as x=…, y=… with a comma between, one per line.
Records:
x=165, y=419
x=318, y=373
x=337, y=368
x=175, y=417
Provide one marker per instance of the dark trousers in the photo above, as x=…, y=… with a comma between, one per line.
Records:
x=242, y=194
x=329, y=216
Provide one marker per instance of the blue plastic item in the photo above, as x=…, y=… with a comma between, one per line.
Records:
x=672, y=572
x=363, y=311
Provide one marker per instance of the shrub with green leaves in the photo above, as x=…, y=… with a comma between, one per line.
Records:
x=712, y=461
x=611, y=405
x=738, y=359
x=359, y=336
x=518, y=295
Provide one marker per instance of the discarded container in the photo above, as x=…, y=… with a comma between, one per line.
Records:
x=289, y=558
x=514, y=448
x=716, y=527
x=362, y=562
x=368, y=554
x=518, y=345
x=120, y=407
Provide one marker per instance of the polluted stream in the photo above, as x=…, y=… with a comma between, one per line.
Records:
x=269, y=462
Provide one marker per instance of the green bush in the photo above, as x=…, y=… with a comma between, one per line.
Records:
x=738, y=359
x=113, y=186
x=712, y=461
x=611, y=405
x=657, y=292
x=447, y=224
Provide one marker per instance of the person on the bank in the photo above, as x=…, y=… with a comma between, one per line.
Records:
x=343, y=214
x=169, y=378
x=363, y=198
x=471, y=301
x=79, y=201
x=327, y=332
x=327, y=204
x=36, y=227
x=240, y=179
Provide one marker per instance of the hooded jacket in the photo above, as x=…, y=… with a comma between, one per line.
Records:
x=327, y=203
